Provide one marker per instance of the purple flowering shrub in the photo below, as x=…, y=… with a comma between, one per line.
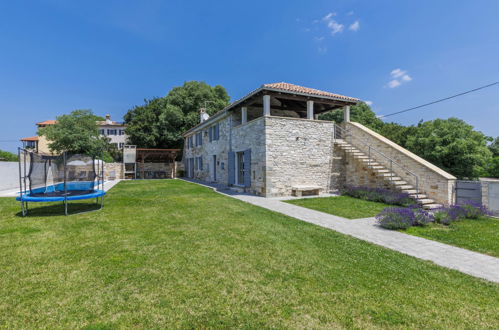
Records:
x=473, y=209
x=422, y=217
x=396, y=218
x=378, y=195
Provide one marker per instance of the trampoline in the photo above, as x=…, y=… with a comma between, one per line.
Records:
x=62, y=178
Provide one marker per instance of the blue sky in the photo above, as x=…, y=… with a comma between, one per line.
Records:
x=108, y=56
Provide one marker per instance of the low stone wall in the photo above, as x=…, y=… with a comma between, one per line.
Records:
x=433, y=181
x=113, y=171
x=155, y=170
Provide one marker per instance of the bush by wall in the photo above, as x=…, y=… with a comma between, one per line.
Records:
x=378, y=195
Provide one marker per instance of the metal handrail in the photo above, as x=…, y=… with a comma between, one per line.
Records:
x=340, y=132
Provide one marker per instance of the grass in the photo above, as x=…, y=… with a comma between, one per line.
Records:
x=479, y=235
x=171, y=254
x=342, y=206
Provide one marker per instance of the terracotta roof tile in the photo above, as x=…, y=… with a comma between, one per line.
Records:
x=32, y=138
x=306, y=90
x=47, y=122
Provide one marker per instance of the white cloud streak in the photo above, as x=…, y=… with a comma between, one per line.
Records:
x=355, y=26
x=399, y=77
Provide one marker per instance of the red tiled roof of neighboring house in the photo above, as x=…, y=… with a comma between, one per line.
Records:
x=32, y=138
x=283, y=86
x=47, y=122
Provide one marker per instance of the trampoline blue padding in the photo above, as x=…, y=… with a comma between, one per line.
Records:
x=60, y=198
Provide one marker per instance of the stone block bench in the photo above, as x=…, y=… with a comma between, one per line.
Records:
x=304, y=190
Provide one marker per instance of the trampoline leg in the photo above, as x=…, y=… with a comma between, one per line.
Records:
x=23, y=209
x=65, y=207
x=101, y=201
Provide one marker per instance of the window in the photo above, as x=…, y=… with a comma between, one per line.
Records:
x=122, y=145
x=199, y=139
x=240, y=168
x=200, y=163
x=31, y=144
x=190, y=141
x=102, y=132
x=214, y=132
x=111, y=132
x=122, y=132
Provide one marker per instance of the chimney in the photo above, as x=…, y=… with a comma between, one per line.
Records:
x=203, y=116
x=108, y=119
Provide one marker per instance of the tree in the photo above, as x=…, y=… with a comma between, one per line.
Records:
x=75, y=133
x=494, y=147
x=6, y=156
x=360, y=113
x=452, y=145
x=160, y=122
x=493, y=168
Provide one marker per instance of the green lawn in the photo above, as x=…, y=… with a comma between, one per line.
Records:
x=342, y=206
x=479, y=235
x=169, y=254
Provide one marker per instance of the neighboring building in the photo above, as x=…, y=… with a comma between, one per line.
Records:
x=270, y=143
x=113, y=130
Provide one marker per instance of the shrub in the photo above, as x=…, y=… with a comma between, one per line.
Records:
x=473, y=210
x=378, y=195
x=422, y=217
x=396, y=218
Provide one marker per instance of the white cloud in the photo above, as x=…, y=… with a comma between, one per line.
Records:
x=369, y=103
x=335, y=27
x=318, y=39
x=355, y=26
x=394, y=83
x=399, y=77
x=328, y=16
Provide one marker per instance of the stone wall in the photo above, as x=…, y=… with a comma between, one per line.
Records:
x=9, y=179
x=113, y=168
x=433, y=181
x=160, y=170
x=299, y=152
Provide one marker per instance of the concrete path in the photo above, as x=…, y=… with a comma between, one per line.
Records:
x=466, y=261
x=14, y=192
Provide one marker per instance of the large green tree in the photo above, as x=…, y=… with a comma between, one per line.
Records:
x=160, y=122
x=360, y=113
x=6, y=156
x=76, y=133
x=452, y=145
x=494, y=147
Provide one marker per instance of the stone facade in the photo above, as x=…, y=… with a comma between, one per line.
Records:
x=113, y=170
x=492, y=205
x=288, y=152
x=432, y=181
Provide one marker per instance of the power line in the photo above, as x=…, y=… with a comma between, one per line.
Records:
x=440, y=100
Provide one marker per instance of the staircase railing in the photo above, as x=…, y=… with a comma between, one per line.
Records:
x=341, y=133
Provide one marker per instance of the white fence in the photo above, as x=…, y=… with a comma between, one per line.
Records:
x=9, y=175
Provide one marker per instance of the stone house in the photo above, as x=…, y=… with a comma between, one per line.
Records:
x=271, y=143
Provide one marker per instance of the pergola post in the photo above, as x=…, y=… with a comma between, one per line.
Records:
x=310, y=109
x=266, y=105
x=244, y=115
x=346, y=113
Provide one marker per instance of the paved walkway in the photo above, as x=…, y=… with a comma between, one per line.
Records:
x=14, y=192
x=469, y=262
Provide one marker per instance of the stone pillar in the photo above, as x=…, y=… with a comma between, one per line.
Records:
x=244, y=115
x=266, y=105
x=346, y=113
x=310, y=109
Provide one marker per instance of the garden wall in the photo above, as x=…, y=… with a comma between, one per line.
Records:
x=9, y=175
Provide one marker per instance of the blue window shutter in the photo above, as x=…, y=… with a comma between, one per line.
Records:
x=201, y=138
x=232, y=167
x=247, y=168
x=201, y=163
x=217, y=131
x=210, y=133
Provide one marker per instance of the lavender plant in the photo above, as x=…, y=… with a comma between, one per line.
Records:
x=473, y=209
x=396, y=218
x=378, y=195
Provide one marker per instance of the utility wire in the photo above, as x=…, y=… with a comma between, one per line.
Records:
x=440, y=100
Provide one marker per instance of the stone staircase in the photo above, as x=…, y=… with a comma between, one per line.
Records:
x=383, y=172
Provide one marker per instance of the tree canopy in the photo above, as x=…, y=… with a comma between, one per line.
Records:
x=6, y=156
x=160, y=122
x=76, y=133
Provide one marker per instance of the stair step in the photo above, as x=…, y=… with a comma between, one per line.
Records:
x=425, y=201
x=399, y=182
x=337, y=158
x=417, y=196
x=360, y=157
x=377, y=167
x=409, y=191
x=432, y=206
x=392, y=178
x=382, y=171
x=405, y=187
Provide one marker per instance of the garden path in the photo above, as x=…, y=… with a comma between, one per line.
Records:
x=466, y=261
